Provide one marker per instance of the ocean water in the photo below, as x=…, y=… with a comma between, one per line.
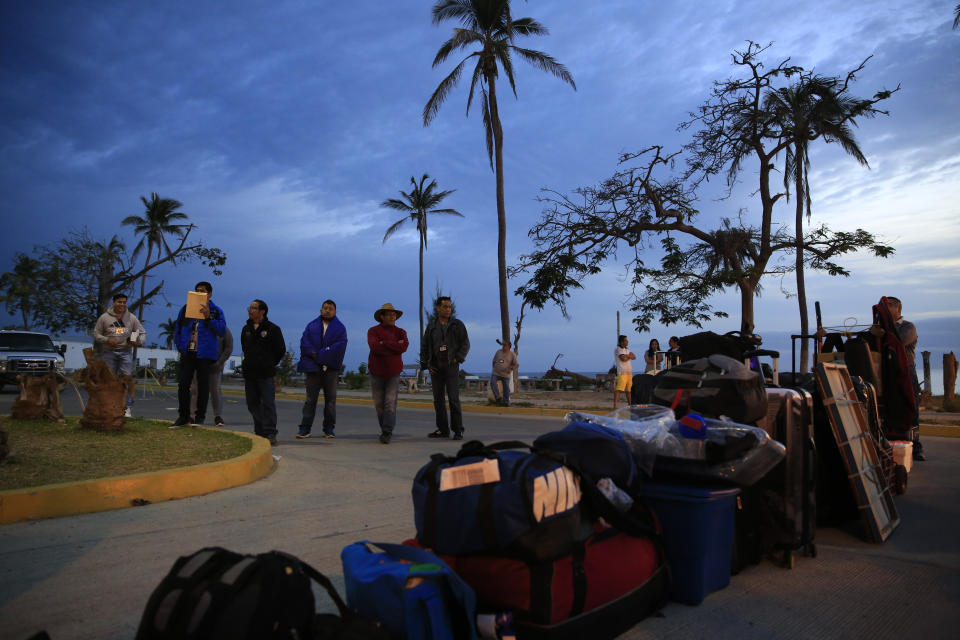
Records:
x=936, y=375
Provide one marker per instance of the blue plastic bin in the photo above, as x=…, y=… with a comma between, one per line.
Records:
x=697, y=535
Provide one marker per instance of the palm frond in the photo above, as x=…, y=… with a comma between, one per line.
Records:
x=488, y=126
x=546, y=62
x=443, y=89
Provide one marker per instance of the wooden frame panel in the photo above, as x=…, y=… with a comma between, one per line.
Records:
x=848, y=420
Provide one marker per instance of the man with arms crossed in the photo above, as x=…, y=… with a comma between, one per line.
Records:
x=623, y=356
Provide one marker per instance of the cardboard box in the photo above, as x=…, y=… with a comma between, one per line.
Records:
x=903, y=453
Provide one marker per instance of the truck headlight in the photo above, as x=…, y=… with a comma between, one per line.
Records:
x=3, y=366
x=59, y=366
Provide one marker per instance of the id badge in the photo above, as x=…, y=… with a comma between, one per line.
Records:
x=443, y=348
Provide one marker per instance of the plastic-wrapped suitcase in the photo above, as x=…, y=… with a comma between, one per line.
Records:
x=790, y=489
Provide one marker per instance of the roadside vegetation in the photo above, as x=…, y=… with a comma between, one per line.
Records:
x=44, y=452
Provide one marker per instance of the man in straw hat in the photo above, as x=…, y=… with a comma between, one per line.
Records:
x=387, y=343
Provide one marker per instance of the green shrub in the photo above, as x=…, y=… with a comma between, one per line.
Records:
x=356, y=379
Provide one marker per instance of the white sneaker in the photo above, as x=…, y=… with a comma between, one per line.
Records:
x=127, y=413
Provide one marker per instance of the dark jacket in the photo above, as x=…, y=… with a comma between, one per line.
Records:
x=318, y=349
x=208, y=331
x=263, y=348
x=454, y=335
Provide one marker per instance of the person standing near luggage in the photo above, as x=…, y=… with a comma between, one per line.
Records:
x=196, y=340
x=504, y=364
x=224, y=351
x=651, y=358
x=387, y=343
x=117, y=331
x=623, y=357
x=322, y=346
x=673, y=351
x=907, y=333
x=263, y=348
x=443, y=348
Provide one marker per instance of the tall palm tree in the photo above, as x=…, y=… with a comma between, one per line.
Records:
x=488, y=25
x=158, y=220
x=20, y=287
x=168, y=331
x=815, y=107
x=417, y=205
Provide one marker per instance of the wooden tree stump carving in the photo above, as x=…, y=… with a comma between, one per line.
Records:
x=39, y=398
x=108, y=395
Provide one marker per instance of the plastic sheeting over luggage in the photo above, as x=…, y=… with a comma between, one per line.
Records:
x=719, y=451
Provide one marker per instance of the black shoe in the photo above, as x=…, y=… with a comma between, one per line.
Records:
x=438, y=434
x=179, y=423
x=918, y=456
x=197, y=422
x=385, y=438
x=458, y=435
x=273, y=441
x=217, y=420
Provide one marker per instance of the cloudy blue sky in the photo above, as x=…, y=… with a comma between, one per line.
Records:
x=282, y=124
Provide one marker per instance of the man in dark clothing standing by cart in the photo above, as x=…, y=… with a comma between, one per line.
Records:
x=907, y=333
x=443, y=348
x=263, y=348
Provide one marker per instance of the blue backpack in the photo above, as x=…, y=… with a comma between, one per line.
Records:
x=411, y=592
x=498, y=498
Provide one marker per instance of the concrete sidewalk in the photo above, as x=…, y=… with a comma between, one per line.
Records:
x=88, y=576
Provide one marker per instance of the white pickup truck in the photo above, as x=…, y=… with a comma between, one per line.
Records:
x=30, y=353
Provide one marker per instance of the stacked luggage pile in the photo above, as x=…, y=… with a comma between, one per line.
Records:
x=593, y=527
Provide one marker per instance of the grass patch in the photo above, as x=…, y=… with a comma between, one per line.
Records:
x=43, y=452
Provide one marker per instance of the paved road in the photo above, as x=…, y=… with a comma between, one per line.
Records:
x=88, y=576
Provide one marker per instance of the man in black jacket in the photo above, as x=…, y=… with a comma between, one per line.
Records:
x=263, y=348
x=443, y=348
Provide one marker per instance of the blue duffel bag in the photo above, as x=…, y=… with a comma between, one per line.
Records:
x=499, y=498
x=411, y=592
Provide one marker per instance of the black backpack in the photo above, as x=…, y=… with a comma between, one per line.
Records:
x=217, y=594
x=714, y=386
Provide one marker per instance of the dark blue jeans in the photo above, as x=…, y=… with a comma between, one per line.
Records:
x=446, y=382
x=506, y=388
x=190, y=364
x=317, y=380
x=385, y=401
x=262, y=405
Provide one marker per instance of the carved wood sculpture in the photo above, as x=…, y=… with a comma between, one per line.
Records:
x=949, y=376
x=108, y=395
x=39, y=398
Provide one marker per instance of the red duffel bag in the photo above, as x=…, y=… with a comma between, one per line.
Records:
x=609, y=583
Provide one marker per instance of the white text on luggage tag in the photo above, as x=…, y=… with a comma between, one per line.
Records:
x=554, y=493
x=470, y=474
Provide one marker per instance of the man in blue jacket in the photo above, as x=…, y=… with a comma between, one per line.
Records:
x=196, y=340
x=322, y=347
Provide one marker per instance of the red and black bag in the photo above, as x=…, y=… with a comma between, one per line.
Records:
x=608, y=584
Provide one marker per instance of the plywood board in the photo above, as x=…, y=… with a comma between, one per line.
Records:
x=848, y=420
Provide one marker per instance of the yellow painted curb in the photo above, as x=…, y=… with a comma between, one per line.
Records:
x=71, y=498
x=949, y=431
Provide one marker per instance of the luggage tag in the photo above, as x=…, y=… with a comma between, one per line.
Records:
x=487, y=470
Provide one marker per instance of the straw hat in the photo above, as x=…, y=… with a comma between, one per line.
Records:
x=386, y=307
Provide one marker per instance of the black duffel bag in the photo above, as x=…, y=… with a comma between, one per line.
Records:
x=707, y=343
x=714, y=386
